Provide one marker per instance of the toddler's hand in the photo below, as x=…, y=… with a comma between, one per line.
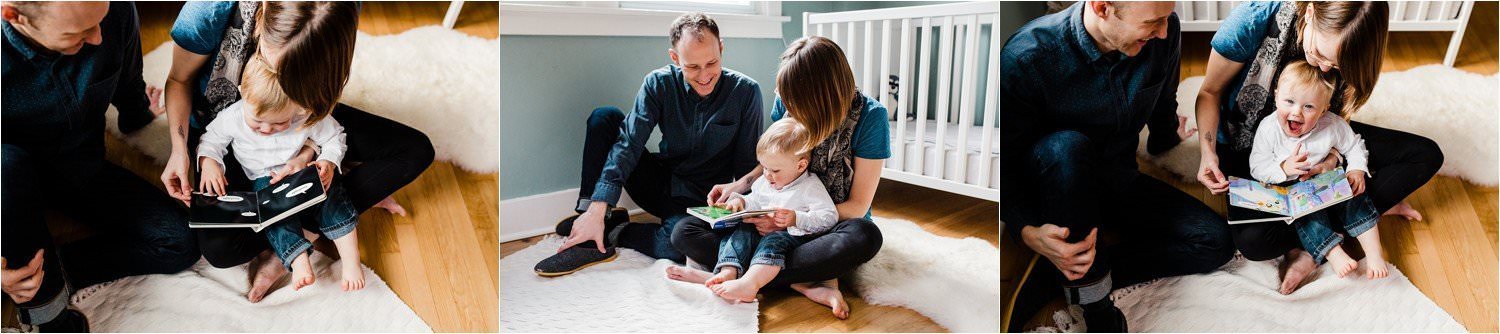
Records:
x=290, y=167
x=1296, y=165
x=211, y=179
x=1356, y=181
x=736, y=204
x=325, y=172
x=784, y=218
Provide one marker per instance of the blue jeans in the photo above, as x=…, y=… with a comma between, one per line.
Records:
x=334, y=218
x=746, y=247
x=1316, y=230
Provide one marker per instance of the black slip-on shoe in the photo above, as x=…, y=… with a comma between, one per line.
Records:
x=574, y=259
x=1104, y=317
x=69, y=321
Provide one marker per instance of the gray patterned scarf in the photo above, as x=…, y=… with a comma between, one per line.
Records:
x=1255, y=99
x=235, y=51
x=833, y=159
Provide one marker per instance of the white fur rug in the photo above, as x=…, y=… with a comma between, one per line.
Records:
x=207, y=299
x=955, y=282
x=1242, y=297
x=439, y=81
x=1457, y=109
x=629, y=294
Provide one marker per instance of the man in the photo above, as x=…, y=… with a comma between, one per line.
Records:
x=64, y=64
x=710, y=118
x=1077, y=88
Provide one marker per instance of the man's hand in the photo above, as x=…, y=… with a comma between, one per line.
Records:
x=589, y=226
x=325, y=172
x=1356, y=181
x=22, y=283
x=153, y=94
x=1297, y=164
x=1183, y=131
x=177, y=176
x=1072, y=259
x=212, y=181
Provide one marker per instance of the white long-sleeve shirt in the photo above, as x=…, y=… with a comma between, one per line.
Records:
x=805, y=195
x=1273, y=146
x=260, y=154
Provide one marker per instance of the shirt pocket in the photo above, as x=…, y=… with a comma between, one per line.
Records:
x=98, y=94
x=718, y=135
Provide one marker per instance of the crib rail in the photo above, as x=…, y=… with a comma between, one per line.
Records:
x=888, y=48
x=1405, y=16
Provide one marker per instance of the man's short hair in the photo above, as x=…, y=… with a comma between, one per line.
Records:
x=695, y=23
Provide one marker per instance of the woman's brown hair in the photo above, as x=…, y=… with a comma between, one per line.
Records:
x=816, y=85
x=316, y=39
x=1362, y=27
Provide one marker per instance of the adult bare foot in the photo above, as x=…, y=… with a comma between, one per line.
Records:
x=389, y=204
x=1405, y=210
x=737, y=290
x=302, y=273
x=266, y=271
x=826, y=293
x=1341, y=262
x=1294, y=269
x=685, y=274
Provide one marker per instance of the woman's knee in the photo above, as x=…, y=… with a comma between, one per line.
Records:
x=862, y=238
x=1428, y=153
x=1253, y=244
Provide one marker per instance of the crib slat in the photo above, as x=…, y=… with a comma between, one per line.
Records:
x=869, y=55
x=1443, y=11
x=991, y=101
x=966, y=109
x=945, y=95
x=1422, y=11
x=885, y=66
x=903, y=95
x=924, y=83
x=850, y=49
x=1400, y=14
x=820, y=30
x=1185, y=11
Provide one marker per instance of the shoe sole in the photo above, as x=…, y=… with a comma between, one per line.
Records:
x=586, y=265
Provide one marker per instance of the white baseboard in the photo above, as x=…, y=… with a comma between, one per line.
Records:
x=538, y=214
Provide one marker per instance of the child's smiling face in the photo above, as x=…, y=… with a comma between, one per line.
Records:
x=271, y=122
x=781, y=168
x=1299, y=107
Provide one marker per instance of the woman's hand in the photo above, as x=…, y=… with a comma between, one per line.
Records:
x=325, y=172
x=1356, y=181
x=1209, y=174
x=177, y=176
x=1072, y=259
x=212, y=181
x=21, y=283
x=776, y=221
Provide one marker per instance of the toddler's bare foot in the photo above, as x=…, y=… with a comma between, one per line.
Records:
x=725, y=274
x=738, y=290
x=1375, y=266
x=302, y=272
x=354, y=276
x=1405, y=210
x=267, y=270
x=826, y=293
x=389, y=204
x=1295, y=268
x=1341, y=262
x=685, y=274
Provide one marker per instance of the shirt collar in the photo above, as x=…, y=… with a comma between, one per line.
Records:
x=1081, y=37
x=18, y=41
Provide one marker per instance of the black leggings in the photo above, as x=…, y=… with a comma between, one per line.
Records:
x=847, y=245
x=383, y=156
x=1400, y=163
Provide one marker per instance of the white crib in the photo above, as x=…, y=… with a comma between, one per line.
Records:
x=957, y=150
x=1405, y=16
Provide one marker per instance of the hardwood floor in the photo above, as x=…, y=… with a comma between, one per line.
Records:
x=938, y=212
x=1451, y=255
x=442, y=259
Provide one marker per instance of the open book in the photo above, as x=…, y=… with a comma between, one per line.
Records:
x=723, y=218
x=258, y=209
x=1252, y=201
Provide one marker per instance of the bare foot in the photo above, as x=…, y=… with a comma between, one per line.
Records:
x=347, y=247
x=1341, y=262
x=739, y=290
x=302, y=273
x=725, y=274
x=1295, y=268
x=1405, y=210
x=389, y=204
x=1375, y=266
x=685, y=274
x=265, y=271
x=826, y=293
x=354, y=276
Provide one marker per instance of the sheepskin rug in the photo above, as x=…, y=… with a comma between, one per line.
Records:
x=207, y=299
x=439, y=81
x=1457, y=109
x=1242, y=297
x=955, y=282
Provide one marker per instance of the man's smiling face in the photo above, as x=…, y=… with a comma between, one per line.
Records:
x=699, y=55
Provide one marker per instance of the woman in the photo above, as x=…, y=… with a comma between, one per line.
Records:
x=312, y=44
x=816, y=88
x=1251, y=46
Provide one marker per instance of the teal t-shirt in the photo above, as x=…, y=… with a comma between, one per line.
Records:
x=871, y=139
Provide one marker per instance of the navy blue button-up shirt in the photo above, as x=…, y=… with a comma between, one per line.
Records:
x=705, y=140
x=1055, y=78
x=54, y=104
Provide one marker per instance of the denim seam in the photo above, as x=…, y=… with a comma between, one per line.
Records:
x=1320, y=255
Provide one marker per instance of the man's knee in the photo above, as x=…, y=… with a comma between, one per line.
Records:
x=606, y=118
x=1212, y=241
x=1062, y=150
x=17, y=164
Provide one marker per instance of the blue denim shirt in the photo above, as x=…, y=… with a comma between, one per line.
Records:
x=54, y=104
x=705, y=140
x=1054, y=78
